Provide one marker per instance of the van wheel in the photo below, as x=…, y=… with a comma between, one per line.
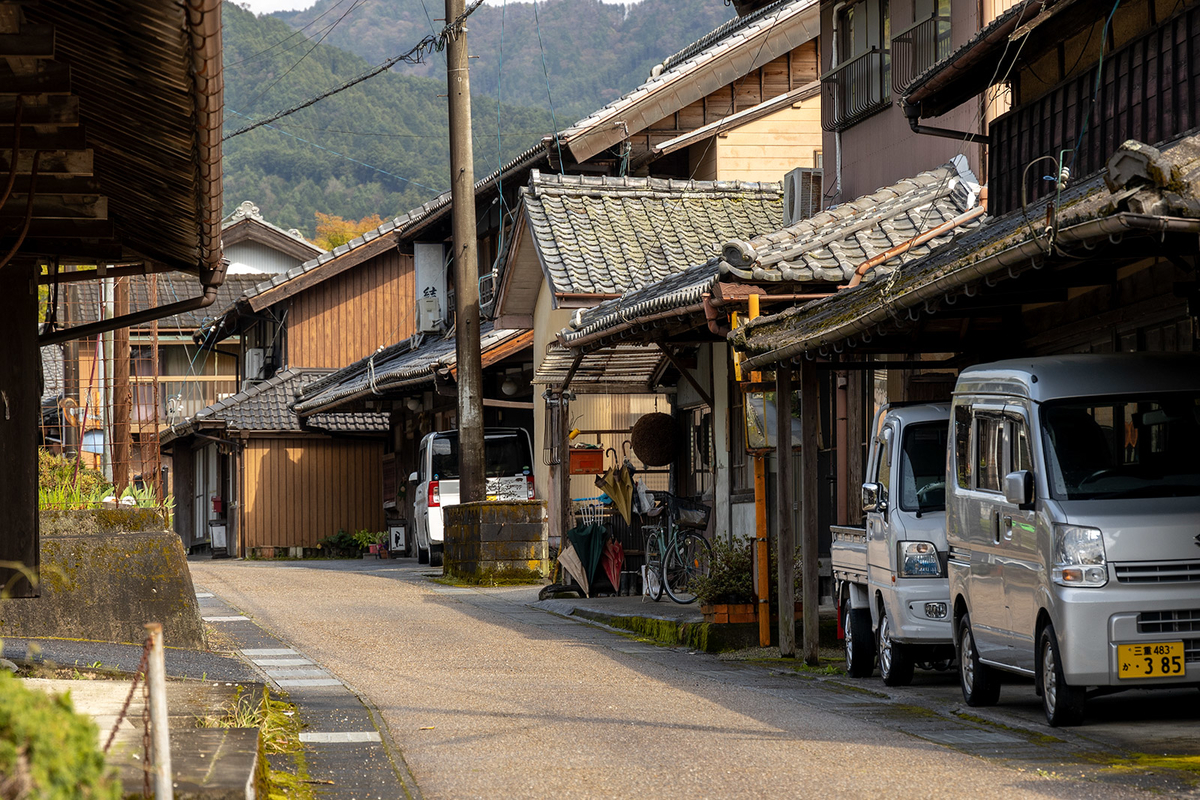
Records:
x=860, y=655
x=435, y=557
x=1063, y=704
x=980, y=683
x=895, y=662
x=422, y=555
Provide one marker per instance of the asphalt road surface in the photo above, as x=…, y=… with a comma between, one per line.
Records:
x=487, y=697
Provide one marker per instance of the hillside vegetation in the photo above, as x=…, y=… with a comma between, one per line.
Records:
x=394, y=127
x=594, y=51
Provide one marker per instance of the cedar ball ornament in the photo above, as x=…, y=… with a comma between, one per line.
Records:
x=655, y=439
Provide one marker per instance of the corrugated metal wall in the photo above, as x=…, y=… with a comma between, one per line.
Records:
x=613, y=412
x=351, y=315
x=298, y=491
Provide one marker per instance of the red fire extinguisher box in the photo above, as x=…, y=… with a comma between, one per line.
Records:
x=218, y=505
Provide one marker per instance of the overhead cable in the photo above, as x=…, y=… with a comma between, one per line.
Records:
x=413, y=56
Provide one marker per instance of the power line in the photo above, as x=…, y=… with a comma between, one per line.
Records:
x=307, y=53
x=334, y=152
x=545, y=71
x=413, y=56
x=290, y=36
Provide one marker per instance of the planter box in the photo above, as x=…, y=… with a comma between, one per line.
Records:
x=736, y=613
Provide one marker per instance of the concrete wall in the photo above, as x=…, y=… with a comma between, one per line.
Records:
x=101, y=583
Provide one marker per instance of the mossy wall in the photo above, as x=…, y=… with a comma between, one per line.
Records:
x=102, y=520
x=106, y=587
x=497, y=540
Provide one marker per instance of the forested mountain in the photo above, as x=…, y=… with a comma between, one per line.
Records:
x=594, y=51
x=392, y=130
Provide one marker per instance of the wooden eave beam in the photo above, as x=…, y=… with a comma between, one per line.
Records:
x=47, y=77
x=56, y=109
x=52, y=162
x=35, y=137
x=33, y=41
x=51, y=206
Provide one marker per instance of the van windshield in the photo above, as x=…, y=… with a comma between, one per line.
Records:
x=505, y=455
x=923, y=467
x=1129, y=446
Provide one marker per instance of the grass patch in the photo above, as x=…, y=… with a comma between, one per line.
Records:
x=825, y=666
x=1033, y=736
x=1187, y=766
x=279, y=734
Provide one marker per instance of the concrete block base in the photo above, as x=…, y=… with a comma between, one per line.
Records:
x=491, y=541
x=106, y=587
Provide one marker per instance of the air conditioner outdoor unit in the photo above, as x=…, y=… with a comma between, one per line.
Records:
x=429, y=315
x=255, y=358
x=802, y=191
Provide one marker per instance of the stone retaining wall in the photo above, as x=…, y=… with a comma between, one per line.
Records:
x=497, y=541
x=105, y=579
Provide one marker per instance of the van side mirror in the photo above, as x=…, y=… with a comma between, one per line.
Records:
x=413, y=477
x=1018, y=488
x=874, y=498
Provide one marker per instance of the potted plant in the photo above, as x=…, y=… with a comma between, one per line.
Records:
x=726, y=594
x=371, y=541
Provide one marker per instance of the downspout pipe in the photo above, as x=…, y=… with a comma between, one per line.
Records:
x=914, y=118
x=916, y=241
x=206, y=299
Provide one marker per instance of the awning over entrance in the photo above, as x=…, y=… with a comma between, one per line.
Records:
x=621, y=369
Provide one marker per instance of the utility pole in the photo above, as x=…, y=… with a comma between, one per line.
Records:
x=472, y=487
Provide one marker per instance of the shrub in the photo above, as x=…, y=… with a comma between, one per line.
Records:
x=730, y=575
x=340, y=545
x=47, y=750
x=366, y=538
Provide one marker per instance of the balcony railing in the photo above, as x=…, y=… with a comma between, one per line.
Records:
x=855, y=90
x=917, y=48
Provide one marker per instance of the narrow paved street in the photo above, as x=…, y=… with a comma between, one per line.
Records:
x=487, y=697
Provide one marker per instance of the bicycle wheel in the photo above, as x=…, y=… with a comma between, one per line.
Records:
x=689, y=558
x=654, y=557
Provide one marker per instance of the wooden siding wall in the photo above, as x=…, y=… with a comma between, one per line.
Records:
x=300, y=490
x=768, y=148
x=349, y=316
x=777, y=77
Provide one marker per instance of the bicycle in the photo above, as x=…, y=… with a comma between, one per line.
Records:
x=675, y=557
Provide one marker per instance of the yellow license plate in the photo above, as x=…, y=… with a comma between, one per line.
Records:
x=1158, y=660
x=493, y=497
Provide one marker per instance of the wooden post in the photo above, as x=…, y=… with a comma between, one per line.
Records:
x=563, y=431
x=762, y=551
x=472, y=484
x=808, y=509
x=121, y=401
x=785, y=539
x=20, y=415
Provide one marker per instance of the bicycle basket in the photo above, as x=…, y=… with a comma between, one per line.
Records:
x=690, y=513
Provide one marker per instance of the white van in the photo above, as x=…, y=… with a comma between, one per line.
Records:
x=1073, y=520
x=508, y=466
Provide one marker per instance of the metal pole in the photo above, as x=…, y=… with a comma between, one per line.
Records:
x=157, y=681
x=785, y=541
x=761, y=532
x=466, y=263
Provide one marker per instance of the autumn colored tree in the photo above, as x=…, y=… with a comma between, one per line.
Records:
x=333, y=231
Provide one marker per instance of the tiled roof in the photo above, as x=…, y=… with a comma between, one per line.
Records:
x=264, y=407
x=827, y=247
x=1003, y=248
x=831, y=245
x=599, y=235
x=773, y=20
x=172, y=287
x=392, y=369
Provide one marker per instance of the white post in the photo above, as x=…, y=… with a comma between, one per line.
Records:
x=157, y=680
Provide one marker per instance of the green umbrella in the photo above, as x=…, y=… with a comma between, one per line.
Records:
x=588, y=542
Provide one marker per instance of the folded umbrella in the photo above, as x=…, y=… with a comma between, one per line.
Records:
x=570, y=561
x=613, y=562
x=588, y=543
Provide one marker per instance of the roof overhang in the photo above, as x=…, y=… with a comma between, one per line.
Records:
x=621, y=369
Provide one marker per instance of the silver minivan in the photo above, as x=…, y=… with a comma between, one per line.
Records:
x=1073, y=521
